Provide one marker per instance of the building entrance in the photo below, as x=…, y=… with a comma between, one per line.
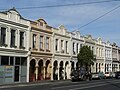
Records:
x=16, y=74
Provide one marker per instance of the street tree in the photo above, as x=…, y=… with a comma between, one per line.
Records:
x=86, y=57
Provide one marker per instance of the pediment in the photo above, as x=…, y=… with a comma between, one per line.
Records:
x=62, y=29
x=41, y=20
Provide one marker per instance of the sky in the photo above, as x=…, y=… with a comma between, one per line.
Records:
x=73, y=17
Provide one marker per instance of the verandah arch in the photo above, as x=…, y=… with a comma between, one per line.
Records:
x=48, y=70
x=55, y=70
x=32, y=70
x=40, y=70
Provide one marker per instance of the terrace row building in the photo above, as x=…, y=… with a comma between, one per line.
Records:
x=33, y=50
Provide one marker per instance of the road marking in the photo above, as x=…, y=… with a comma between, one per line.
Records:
x=76, y=85
x=60, y=87
x=89, y=86
x=92, y=86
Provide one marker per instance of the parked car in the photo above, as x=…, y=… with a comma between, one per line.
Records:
x=99, y=75
x=113, y=74
x=108, y=74
x=117, y=74
x=95, y=76
x=74, y=75
x=77, y=75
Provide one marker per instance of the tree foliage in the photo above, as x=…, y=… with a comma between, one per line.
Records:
x=86, y=57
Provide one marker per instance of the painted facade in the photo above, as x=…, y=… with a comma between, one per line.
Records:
x=77, y=41
x=108, y=57
x=61, y=64
x=14, y=38
x=100, y=55
x=115, y=57
x=33, y=50
x=40, y=51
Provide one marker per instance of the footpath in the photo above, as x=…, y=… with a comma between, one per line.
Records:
x=43, y=82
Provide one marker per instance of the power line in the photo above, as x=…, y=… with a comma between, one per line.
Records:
x=98, y=18
x=64, y=5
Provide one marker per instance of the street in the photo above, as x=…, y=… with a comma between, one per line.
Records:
x=107, y=84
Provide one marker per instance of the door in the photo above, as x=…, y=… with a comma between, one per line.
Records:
x=16, y=74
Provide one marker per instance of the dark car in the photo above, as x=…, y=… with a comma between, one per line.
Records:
x=117, y=74
x=77, y=75
x=74, y=75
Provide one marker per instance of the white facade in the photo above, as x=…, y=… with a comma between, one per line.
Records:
x=108, y=57
x=77, y=42
x=14, y=38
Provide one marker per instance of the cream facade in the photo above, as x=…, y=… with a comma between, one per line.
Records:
x=33, y=50
x=115, y=58
x=61, y=44
x=40, y=58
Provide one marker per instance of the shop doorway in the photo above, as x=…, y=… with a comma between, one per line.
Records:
x=16, y=74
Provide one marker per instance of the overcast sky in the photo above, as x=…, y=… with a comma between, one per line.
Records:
x=108, y=27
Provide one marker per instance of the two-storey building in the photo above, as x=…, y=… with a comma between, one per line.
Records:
x=108, y=57
x=100, y=55
x=77, y=41
x=14, y=38
x=40, y=58
x=61, y=43
x=91, y=43
x=115, y=58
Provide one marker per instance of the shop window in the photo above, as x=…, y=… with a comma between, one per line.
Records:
x=23, y=61
x=11, y=60
x=17, y=60
x=4, y=60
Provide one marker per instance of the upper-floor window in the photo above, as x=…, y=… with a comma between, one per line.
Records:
x=81, y=45
x=47, y=43
x=73, y=48
x=3, y=36
x=56, y=44
x=66, y=46
x=77, y=47
x=21, y=39
x=40, y=24
x=12, y=44
x=34, y=40
x=61, y=44
x=41, y=42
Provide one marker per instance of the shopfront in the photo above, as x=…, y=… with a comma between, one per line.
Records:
x=13, y=69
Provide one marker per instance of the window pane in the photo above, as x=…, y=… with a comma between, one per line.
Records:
x=23, y=61
x=12, y=37
x=41, y=42
x=4, y=60
x=22, y=39
x=3, y=35
x=34, y=40
x=11, y=60
x=17, y=60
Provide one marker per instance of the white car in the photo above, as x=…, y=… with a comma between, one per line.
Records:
x=108, y=74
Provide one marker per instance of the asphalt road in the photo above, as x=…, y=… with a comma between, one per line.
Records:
x=107, y=84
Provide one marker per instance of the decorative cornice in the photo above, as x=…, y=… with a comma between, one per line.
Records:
x=13, y=50
x=13, y=23
x=42, y=30
x=62, y=35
